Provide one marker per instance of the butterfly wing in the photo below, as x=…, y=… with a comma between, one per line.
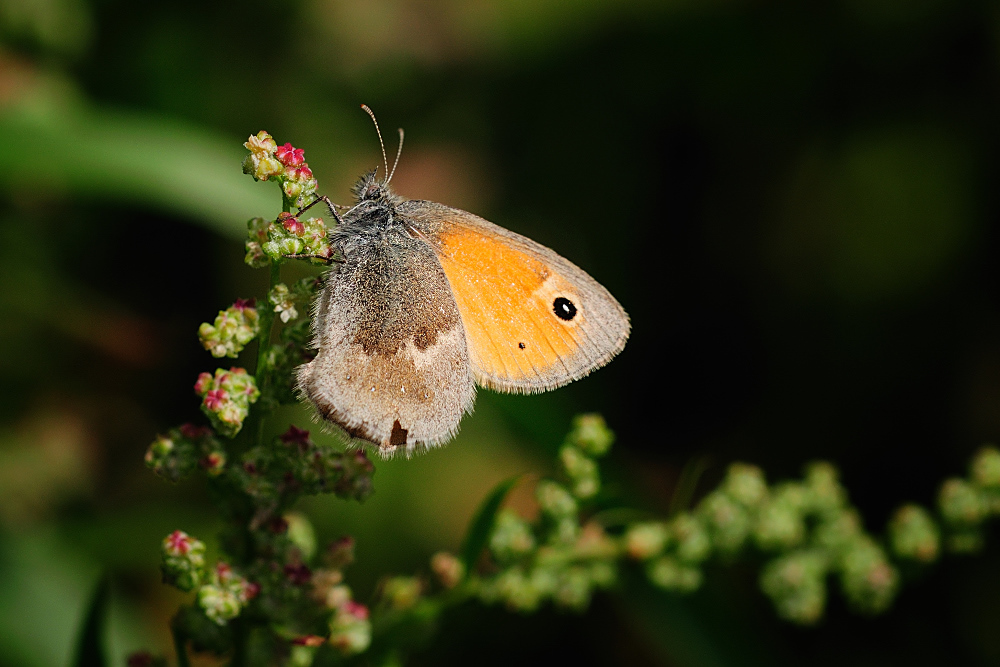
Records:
x=533, y=320
x=392, y=366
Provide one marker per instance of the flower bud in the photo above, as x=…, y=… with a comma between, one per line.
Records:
x=693, y=542
x=183, y=560
x=591, y=435
x=232, y=330
x=555, y=501
x=962, y=504
x=795, y=583
x=339, y=553
x=868, y=580
x=838, y=531
x=727, y=520
x=581, y=470
x=668, y=573
x=226, y=398
x=401, y=593
x=511, y=538
x=914, y=535
x=645, y=540
x=283, y=302
x=573, y=588
x=823, y=490
x=985, y=468
x=220, y=604
x=448, y=569
x=350, y=629
x=301, y=534
x=780, y=526
x=745, y=484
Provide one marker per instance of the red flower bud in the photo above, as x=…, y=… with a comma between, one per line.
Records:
x=289, y=156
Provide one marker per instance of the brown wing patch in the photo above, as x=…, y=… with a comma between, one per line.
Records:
x=508, y=301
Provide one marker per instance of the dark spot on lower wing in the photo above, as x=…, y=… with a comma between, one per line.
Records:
x=521, y=345
x=398, y=435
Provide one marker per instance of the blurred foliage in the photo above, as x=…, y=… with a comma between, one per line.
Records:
x=793, y=201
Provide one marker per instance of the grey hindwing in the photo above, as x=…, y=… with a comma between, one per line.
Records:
x=392, y=365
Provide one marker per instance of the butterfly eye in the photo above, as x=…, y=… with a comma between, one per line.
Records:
x=564, y=308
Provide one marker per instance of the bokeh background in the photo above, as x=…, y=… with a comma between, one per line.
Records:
x=794, y=201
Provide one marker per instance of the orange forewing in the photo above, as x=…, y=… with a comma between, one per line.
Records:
x=505, y=298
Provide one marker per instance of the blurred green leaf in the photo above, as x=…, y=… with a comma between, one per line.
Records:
x=90, y=648
x=482, y=522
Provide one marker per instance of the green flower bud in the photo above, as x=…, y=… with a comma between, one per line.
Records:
x=448, y=568
x=518, y=591
x=962, y=505
x=823, y=490
x=219, y=604
x=985, y=473
x=780, y=525
x=693, y=541
x=591, y=435
x=301, y=533
x=914, y=535
x=838, y=531
x=745, y=484
x=283, y=301
x=868, y=580
x=796, y=585
x=581, y=470
x=233, y=329
x=401, y=593
x=670, y=574
x=226, y=398
x=511, y=538
x=555, y=500
x=350, y=629
x=172, y=457
x=573, y=589
x=645, y=540
x=728, y=521
x=183, y=560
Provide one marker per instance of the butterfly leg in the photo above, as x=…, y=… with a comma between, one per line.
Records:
x=329, y=204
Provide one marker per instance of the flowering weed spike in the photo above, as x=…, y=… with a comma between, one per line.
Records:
x=226, y=398
x=232, y=330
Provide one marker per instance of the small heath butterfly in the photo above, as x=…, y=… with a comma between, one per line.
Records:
x=425, y=301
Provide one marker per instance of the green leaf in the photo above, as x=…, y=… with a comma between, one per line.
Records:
x=90, y=647
x=482, y=522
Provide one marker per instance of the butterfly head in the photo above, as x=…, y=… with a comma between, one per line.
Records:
x=370, y=189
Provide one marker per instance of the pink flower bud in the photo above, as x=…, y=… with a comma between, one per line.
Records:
x=203, y=383
x=215, y=398
x=178, y=543
x=308, y=640
x=294, y=226
x=289, y=156
x=356, y=609
x=243, y=304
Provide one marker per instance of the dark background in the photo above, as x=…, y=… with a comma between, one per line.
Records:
x=794, y=201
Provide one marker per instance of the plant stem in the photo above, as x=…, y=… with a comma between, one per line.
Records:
x=180, y=648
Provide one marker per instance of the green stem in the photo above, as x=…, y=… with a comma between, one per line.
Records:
x=263, y=345
x=180, y=648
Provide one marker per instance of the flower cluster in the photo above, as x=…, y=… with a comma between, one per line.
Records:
x=349, y=626
x=287, y=236
x=275, y=475
x=556, y=558
x=226, y=595
x=965, y=504
x=285, y=164
x=175, y=455
x=232, y=330
x=226, y=398
x=183, y=560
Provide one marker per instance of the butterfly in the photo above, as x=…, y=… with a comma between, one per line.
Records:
x=426, y=301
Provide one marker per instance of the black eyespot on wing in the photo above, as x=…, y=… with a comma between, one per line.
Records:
x=521, y=345
x=564, y=308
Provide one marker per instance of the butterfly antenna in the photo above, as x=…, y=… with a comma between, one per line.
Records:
x=399, y=151
x=379, y=132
